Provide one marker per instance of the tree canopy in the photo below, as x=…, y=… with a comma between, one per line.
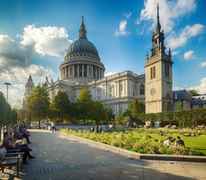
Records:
x=38, y=103
x=194, y=92
x=135, y=109
x=60, y=106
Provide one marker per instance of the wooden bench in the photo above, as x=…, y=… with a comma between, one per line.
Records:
x=12, y=160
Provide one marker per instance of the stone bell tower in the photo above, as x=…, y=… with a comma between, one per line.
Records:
x=29, y=86
x=28, y=89
x=158, y=74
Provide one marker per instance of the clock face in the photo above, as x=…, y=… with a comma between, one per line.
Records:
x=152, y=91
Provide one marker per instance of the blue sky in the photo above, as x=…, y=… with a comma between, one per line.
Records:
x=121, y=30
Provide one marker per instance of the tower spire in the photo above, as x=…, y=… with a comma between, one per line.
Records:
x=82, y=30
x=158, y=28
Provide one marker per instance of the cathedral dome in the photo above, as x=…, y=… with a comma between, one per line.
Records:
x=82, y=62
x=82, y=46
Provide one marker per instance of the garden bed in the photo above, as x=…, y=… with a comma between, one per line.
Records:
x=149, y=141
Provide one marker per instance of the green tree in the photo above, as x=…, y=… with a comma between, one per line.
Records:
x=38, y=103
x=60, y=106
x=98, y=112
x=194, y=92
x=179, y=106
x=109, y=114
x=8, y=116
x=135, y=109
x=84, y=95
x=84, y=104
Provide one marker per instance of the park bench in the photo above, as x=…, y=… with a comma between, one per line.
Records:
x=12, y=160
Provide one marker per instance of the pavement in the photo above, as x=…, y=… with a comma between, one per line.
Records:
x=65, y=159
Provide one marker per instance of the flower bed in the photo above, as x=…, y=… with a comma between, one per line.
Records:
x=149, y=141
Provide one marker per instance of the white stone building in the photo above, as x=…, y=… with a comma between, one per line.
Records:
x=82, y=67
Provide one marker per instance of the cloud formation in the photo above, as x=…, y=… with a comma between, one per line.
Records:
x=122, y=30
x=201, y=88
x=46, y=40
x=16, y=57
x=174, y=41
x=18, y=76
x=203, y=64
x=189, y=55
x=169, y=11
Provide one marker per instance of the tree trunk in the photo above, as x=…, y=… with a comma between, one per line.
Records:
x=1, y=134
x=39, y=124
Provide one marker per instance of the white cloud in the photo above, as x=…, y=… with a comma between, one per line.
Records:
x=46, y=40
x=18, y=76
x=189, y=55
x=201, y=88
x=16, y=57
x=203, y=64
x=16, y=66
x=174, y=41
x=122, y=29
x=12, y=53
x=169, y=11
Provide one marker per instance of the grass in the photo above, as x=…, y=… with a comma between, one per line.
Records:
x=150, y=140
x=197, y=144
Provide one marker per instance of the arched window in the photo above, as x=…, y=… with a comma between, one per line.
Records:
x=141, y=91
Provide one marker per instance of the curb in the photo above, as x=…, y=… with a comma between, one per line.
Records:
x=134, y=155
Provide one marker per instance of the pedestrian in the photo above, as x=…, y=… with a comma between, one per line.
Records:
x=53, y=127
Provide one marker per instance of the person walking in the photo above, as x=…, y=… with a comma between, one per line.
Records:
x=53, y=128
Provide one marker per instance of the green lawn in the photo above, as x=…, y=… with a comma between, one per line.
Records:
x=150, y=140
x=197, y=144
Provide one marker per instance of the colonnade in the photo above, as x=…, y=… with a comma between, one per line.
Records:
x=82, y=71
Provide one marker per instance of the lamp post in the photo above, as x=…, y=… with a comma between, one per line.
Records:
x=7, y=90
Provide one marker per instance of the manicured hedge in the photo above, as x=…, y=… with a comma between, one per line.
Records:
x=190, y=118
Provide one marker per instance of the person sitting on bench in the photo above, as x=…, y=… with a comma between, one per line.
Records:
x=11, y=147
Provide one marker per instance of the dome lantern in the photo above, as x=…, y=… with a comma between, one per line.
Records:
x=82, y=30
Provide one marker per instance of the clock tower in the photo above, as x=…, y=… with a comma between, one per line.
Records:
x=158, y=74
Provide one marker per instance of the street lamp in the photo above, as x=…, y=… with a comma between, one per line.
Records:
x=7, y=89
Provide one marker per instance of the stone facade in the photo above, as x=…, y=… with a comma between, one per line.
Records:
x=82, y=67
x=158, y=75
x=115, y=91
x=28, y=89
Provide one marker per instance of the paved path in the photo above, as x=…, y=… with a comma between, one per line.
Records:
x=62, y=159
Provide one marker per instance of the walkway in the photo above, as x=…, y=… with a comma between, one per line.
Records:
x=62, y=159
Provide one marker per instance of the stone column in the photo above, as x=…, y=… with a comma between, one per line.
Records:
x=77, y=70
x=67, y=72
x=88, y=72
x=96, y=73
x=126, y=89
x=64, y=73
x=82, y=68
x=92, y=72
x=72, y=71
x=99, y=73
x=86, y=69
